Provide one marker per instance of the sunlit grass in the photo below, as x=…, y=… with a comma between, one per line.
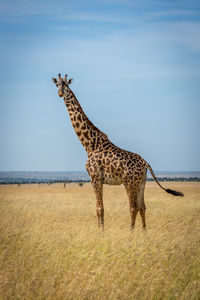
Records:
x=51, y=247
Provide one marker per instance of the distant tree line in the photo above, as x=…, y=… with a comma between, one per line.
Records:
x=35, y=181
x=81, y=182
x=175, y=179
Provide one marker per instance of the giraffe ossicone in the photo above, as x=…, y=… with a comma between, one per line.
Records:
x=107, y=163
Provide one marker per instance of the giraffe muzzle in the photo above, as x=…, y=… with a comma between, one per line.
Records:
x=60, y=94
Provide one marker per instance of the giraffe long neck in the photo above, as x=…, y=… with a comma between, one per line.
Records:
x=89, y=135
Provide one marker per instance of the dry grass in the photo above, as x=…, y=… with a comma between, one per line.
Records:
x=51, y=247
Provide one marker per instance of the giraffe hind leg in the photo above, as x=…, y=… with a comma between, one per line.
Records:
x=141, y=203
x=142, y=214
x=133, y=211
x=132, y=196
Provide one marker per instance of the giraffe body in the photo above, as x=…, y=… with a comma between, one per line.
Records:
x=114, y=165
x=107, y=163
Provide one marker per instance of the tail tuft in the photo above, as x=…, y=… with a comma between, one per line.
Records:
x=175, y=193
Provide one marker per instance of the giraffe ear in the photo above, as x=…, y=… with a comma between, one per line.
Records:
x=70, y=81
x=54, y=80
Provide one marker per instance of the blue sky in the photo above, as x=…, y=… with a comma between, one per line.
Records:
x=136, y=70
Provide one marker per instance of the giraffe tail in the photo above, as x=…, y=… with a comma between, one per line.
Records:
x=175, y=193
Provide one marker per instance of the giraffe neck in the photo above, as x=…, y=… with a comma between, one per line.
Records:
x=89, y=135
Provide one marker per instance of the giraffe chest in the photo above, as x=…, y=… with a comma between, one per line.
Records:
x=112, y=180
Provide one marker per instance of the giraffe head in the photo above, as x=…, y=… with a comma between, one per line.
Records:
x=62, y=85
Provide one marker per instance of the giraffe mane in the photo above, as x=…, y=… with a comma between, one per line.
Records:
x=89, y=122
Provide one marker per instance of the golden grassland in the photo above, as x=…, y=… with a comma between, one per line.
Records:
x=51, y=247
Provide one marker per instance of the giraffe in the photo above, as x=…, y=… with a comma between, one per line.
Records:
x=107, y=163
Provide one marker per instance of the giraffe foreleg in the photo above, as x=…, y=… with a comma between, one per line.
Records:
x=98, y=189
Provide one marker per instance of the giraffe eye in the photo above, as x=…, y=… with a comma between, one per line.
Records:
x=56, y=84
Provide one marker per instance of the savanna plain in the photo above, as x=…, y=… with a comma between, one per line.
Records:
x=51, y=247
